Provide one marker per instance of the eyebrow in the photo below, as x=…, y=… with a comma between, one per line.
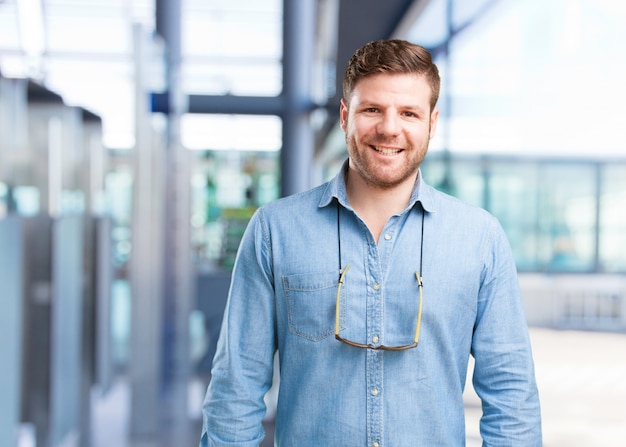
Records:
x=410, y=107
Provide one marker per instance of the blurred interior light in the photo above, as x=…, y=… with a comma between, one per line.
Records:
x=224, y=132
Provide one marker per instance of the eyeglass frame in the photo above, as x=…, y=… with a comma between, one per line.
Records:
x=342, y=274
x=369, y=345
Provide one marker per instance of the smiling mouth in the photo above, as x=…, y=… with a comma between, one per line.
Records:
x=386, y=150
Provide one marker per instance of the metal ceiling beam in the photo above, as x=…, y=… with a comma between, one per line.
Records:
x=229, y=104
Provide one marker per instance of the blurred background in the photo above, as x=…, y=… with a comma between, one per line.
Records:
x=137, y=137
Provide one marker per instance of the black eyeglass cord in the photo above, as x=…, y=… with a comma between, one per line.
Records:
x=339, y=236
x=339, y=241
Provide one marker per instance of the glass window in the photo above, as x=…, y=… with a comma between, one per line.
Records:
x=461, y=178
x=232, y=47
x=566, y=217
x=612, y=237
x=4, y=200
x=467, y=182
x=433, y=169
x=549, y=210
x=513, y=199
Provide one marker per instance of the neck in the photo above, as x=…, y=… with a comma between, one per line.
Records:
x=375, y=205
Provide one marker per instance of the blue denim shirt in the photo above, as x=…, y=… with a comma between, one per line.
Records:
x=282, y=298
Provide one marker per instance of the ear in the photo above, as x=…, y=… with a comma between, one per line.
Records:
x=343, y=114
x=434, y=118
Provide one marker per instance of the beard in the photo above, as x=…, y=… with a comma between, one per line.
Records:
x=385, y=175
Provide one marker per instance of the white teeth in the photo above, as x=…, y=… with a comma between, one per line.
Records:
x=386, y=150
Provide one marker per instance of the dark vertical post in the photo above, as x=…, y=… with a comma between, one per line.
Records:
x=598, y=267
x=447, y=184
x=177, y=268
x=168, y=27
x=298, y=54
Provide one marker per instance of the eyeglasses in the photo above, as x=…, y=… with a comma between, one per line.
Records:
x=370, y=346
x=342, y=275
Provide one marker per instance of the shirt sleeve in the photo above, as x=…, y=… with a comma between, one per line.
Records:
x=242, y=370
x=504, y=376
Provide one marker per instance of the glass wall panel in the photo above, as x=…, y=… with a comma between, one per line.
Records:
x=511, y=92
x=468, y=182
x=513, y=197
x=612, y=237
x=4, y=200
x=433, y=169
x=462, y=178
x=567, y=217
x=564, y=216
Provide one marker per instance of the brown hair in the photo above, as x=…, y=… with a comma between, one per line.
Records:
x=394, y=57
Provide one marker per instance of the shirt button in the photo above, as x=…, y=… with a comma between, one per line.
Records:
x=376, y=286
x=375, y=444
x=387, y=236
x=374, y=391
x=375, y=339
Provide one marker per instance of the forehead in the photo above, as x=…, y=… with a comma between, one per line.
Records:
x=393, y=88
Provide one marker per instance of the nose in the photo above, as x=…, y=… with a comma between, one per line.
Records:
x=389, y=124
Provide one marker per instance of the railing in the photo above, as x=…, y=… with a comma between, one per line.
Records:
x=581, y=302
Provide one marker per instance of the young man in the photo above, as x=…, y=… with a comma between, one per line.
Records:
x=375, y=289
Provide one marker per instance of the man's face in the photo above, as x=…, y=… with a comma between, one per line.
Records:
x=388, y=124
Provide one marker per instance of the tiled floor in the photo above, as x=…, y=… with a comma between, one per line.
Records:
x=581, y=378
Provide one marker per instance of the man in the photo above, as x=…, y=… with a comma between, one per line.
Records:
x=375, y=289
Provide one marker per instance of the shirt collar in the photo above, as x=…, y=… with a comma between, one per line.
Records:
x=336, y=188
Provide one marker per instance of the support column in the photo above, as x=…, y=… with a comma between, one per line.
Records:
x=11, y=319
x=177, y=270
x=298, y=58
x=145, y=262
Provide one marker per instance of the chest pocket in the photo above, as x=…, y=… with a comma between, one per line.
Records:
x=310, y=301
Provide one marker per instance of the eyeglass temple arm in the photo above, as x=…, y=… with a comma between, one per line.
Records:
x=420, y=284
x=342, y=274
